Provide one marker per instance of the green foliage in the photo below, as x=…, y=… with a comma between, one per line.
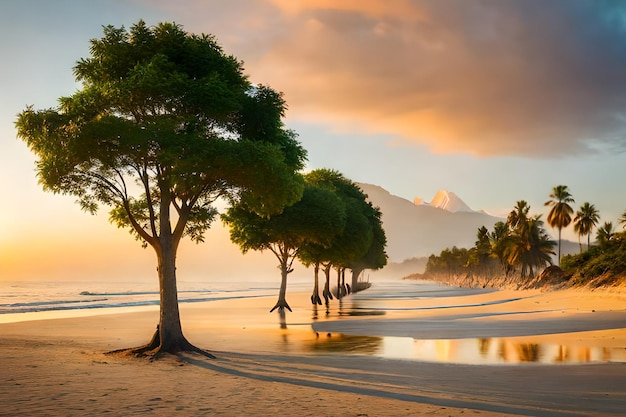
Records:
x=362, y=242
x=450, y=261
x=521, y=243
x=316, y=218
x=165, y=121
x=605, y=234
x=606, y=262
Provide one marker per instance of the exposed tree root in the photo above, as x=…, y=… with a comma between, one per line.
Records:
x=327, y=295
x=154, y=350
x=315, y=299
x=281, y=305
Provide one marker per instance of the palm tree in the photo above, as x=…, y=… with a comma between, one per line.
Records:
x=586, y=218
x=622, y=220
x=605, y=233
x=500, y=240
x=560, y=214
x=530, y=247
x=518, y=217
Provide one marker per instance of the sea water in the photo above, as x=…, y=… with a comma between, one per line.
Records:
x=32, y=300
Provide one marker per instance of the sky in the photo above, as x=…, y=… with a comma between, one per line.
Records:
x=495, y=100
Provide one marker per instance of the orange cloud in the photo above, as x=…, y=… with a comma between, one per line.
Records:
x=404, y=9
x=486, y=78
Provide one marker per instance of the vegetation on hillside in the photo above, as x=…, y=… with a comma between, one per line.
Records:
x=601, y=265
x=519, y=252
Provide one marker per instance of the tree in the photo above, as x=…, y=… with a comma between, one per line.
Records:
x=500, y=240
x=605, y=233
x=316, y=218
x=530, y=247
x=480, y=254
x=361, y=243
x=586, y=218
x=312, y=253
x=375, y=257
x=518, y=217
x=622, y=220
x=165, y=123
x=523, y=242
x=560, y=214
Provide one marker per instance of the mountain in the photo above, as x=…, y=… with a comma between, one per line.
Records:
x=417, y=230
x=446, y=200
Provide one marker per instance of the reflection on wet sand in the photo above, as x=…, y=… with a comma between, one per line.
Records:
x=341, y=343
x=476, y=351
x=479, y=351
x=513, y=350
x=293, y=334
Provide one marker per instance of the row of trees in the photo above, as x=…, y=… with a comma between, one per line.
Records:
x=521, y=243
x=164, y=125
x=586, y=218
x=332, y=225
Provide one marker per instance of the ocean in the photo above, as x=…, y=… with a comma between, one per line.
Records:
x=33, y=300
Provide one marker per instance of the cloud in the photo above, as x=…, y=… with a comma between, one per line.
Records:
x=496, y=77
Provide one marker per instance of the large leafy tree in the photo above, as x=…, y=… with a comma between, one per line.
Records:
x=315, y=219
x=560, y=214
x=164, y=124
x=586, y=218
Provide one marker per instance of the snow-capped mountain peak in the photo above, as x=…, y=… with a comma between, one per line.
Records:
x=446, y=200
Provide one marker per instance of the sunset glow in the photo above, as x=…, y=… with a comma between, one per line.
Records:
x=496, y=101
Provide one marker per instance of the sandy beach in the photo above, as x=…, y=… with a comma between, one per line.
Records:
x=559, y=353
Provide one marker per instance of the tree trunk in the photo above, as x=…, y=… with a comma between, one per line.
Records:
x=355, y=279
x=168, y=337
x=315, y=297
x=171, y=333
x=559, y=247
x=326, y=293
x=284, y=271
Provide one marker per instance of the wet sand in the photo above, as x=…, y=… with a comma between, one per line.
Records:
x=349, y=360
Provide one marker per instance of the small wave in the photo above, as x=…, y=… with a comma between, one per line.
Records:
x=118, y=294
x=131, y=293
x=51, y=303
x=95, y=303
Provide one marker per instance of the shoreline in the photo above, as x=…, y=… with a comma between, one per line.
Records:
x=58, y=366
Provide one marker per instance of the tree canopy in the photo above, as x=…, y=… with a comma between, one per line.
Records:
x=315, y=219
x=164, y=124
x=362, y=242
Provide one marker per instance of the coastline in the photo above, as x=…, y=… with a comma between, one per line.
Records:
x=267, y=366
